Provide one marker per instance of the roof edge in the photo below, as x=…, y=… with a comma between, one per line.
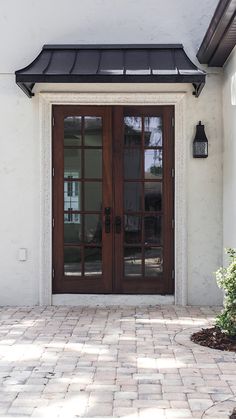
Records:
x=29, y=65
x=111, y=46
x=220, y=37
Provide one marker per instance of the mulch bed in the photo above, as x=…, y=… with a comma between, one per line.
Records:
x=214, y=338
x=233, y=416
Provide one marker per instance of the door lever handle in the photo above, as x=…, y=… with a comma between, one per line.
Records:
x=118, y=223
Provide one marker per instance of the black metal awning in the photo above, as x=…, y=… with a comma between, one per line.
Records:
x=111, y=64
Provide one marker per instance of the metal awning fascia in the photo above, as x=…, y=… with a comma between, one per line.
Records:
x=137, y=64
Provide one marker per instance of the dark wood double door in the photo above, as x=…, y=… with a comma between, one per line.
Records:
x=113, y=199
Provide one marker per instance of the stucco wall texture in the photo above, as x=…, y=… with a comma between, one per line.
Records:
x=229, y=117
x=26, y=26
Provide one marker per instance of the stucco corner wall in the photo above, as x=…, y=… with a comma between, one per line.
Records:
x=205, y=195
x=229, y=155
x=19, y=185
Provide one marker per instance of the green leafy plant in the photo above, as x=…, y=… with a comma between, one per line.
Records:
x=226, y=280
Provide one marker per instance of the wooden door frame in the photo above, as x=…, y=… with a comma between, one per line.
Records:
x=139, y=97
x=112, y=280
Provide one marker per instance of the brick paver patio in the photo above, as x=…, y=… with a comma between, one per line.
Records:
x=125, y=362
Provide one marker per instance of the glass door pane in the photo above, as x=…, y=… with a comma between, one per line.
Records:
x=143, y=183
x=83, y=151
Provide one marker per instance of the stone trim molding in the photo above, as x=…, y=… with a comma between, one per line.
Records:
x=46, y=100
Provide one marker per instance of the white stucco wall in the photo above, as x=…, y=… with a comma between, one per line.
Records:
x=205, y=196
x=26, y=25
x=229, y=112
x=101, y=21
x=19, y=183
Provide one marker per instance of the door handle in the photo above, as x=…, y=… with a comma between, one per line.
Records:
x=107, y=219
x=118, y=224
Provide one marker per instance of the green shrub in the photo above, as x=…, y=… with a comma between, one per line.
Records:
x=226, y=280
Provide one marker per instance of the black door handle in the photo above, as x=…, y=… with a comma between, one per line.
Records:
x=118, y=224
x=107, y=219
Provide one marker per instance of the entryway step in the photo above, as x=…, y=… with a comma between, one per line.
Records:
x=103, y=300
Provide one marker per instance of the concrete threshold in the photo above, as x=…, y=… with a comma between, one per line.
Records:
x=103, y=300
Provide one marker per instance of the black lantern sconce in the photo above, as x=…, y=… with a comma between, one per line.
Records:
x=200, y=143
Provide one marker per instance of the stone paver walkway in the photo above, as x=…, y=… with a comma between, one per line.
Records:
x=72, y=362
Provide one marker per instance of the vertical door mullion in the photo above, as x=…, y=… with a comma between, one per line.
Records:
x=107, y=238
x=143, y=199
x=118, y=182
x=58, y=196
x=168, y=213
x=82, y=248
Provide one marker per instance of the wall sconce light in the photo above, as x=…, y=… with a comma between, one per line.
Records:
x=200, y=143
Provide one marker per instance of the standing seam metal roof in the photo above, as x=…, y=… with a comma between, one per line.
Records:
x=111, y=64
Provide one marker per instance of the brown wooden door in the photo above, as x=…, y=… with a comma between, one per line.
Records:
x=82, y=199
x=144, y=205
x=113, y=199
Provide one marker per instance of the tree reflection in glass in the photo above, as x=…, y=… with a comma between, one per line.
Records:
x=153, y=131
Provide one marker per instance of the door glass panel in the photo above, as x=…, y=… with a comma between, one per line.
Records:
x=153, y=131
x=152, y=229
x=92, y=228
x=153, y=164
x=133, y=261
x=153, y=261
x=92, y=196
x=153, y=196
x=132, y=163
x=133, y=196
x=72, y=131
x=72, y=163
x=133, y=131
x=72, y=228
x=72, y=196
x=93, y=261
x=72, y=261
x=93, y=163
x=92, y=131
x=133, y=229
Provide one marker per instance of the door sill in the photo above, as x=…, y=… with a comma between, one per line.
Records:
x=103, y=300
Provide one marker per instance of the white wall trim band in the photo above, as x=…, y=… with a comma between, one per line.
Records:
x=46, y=100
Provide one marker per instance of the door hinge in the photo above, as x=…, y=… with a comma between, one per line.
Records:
x=173, y=172
x=53, y=223
x=53, y=121
x=173, y=274
x=173, y=223
x=53, y=171
x=53, y=272
x=173, y=121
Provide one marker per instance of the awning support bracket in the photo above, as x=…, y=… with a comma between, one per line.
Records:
x=197, y=88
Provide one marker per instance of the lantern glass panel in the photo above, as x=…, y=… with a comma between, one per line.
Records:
x=200, y=149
